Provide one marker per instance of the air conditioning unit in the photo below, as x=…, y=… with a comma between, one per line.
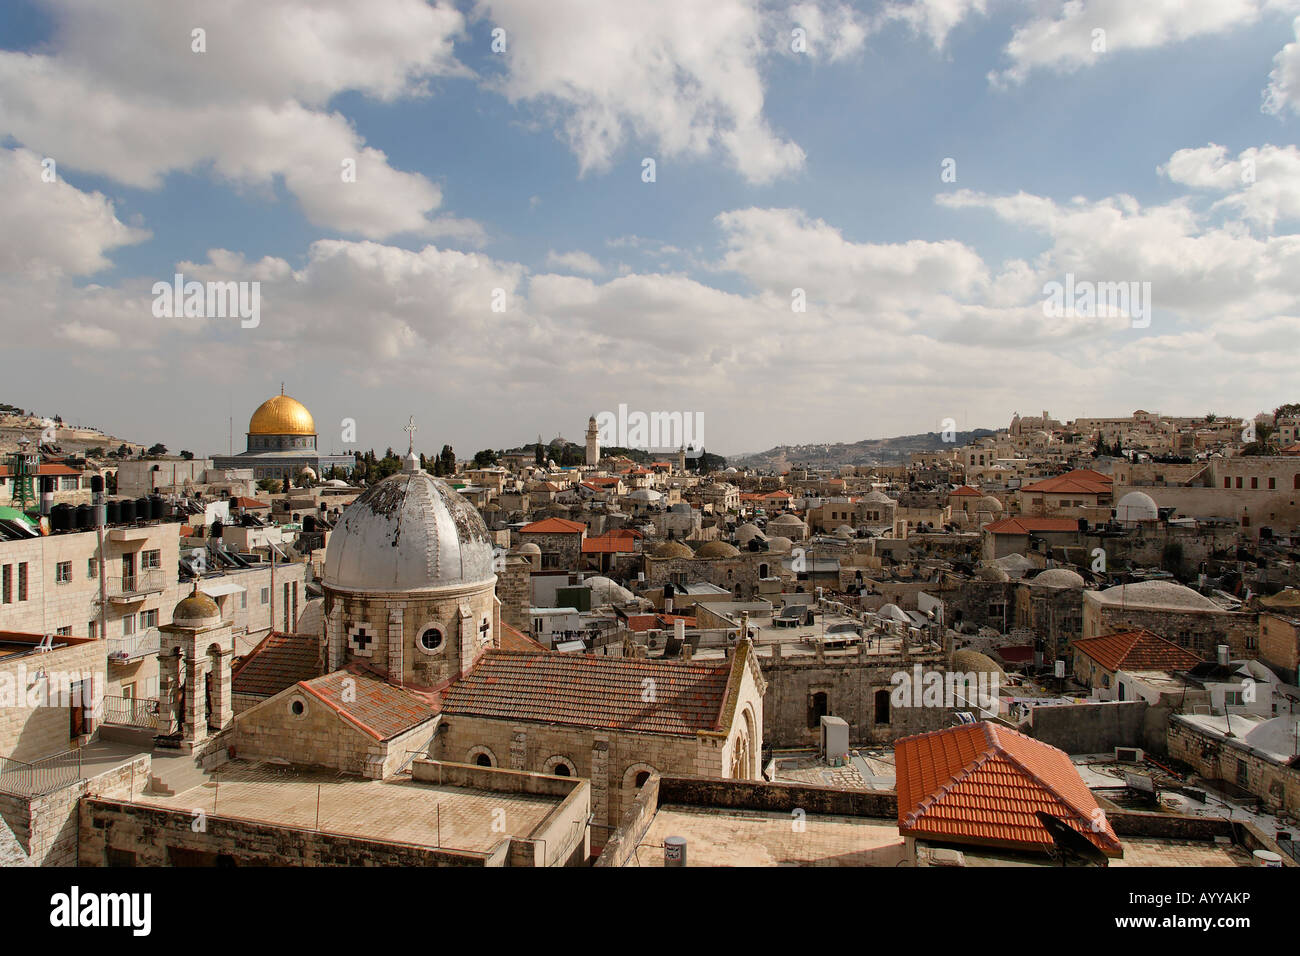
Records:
x=1130, y=754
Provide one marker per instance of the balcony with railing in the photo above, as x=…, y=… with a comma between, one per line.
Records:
x=135, y=587
x=133, y=647
x=23, y=779
x=145, y=712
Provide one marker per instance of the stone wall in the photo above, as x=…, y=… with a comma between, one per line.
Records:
x=46, y=825
x=1099, y=728
x=1198, y=631
x=29, y=733
x=1276, y=785
x=113, y=833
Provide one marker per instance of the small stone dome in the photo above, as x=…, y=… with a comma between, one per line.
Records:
x=992, y=573
x=716, y=549
x=1057, y=578
x=966, y=661
x=1136, y=506
x=745, y=532
x=844, y=531
x=892, y=612
x=879, y=498
x=530, y=548
x=779, y=545
x=673, y=549
x=607, y=591
x=197, y=609
x=990, y=504
x=787, y=521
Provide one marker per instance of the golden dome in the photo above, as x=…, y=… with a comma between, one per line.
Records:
x=281, y=415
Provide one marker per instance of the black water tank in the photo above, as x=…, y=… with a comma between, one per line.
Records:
x=141, y=509
x=155, y=507
x=85, y=517
x=61, y=517
x=112, y=513
x=126, y=512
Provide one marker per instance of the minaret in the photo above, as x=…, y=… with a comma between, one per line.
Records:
x=593, y=443
x=681, y=459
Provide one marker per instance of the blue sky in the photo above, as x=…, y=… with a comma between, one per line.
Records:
x=775, y=171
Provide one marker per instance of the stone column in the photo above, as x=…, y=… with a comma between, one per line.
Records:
x=396, y=641
x=196, y=725
x=600, y=779
x=222, y=712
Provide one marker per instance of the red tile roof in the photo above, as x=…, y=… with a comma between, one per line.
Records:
x=513, y=639
x=554, y=526
x=374, y=706
x=1136, y=650
x=983, y=783
x=1023, y=525
x=964, y=491
x=1066, y=485
x=619, y=541
x=50, y=469
x=280, y=661
x=584, y=690
x=242, y=502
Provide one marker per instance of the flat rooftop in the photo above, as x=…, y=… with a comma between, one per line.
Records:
x=731, y=837
x=399, y=810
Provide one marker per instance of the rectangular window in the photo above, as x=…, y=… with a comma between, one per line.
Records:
x=148, y=618
x=150, y=559
x=243, y=601
x=22, y=581
x=1254, y=482
x=1239, y=481
x=92, y=628
x=7, y=585
x=63, y=572
x=1272, y=483
x=128, y=625
x=266, y=595
x=64, y=631
x=1227, y=482
x=92, y=567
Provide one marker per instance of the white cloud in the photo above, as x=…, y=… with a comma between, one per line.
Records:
x=52, y=228
x=934, y=18
x=681, y=77
x=576, y=261
x=122, y=94
x=1283, y=91
x=1263, y=183
x=1066, y=41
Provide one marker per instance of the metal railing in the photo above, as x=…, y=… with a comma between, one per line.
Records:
x=143, y=712
x=142, y=582
x=23, y=779
x=133, y=646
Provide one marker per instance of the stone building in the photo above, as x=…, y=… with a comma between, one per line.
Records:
x=559, y=539
x=1176, y=613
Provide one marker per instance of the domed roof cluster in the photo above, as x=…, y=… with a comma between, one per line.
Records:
x=1161, y=594
x=716, y=549
x=672, y=549
x=992, y=572
x=1057, y=578
x=410, y=532
x=281, y=415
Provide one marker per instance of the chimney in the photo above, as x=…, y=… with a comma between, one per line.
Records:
x=687, y=652
x=1223, y=654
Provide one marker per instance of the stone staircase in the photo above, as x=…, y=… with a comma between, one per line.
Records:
x=174, y=773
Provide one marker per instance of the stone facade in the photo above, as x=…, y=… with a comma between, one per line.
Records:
x=29, y=733
x=1278, y=786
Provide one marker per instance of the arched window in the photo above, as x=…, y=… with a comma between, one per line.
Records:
x=483, y=760
x=882, y=706
x=560, y=770
x=641, y=779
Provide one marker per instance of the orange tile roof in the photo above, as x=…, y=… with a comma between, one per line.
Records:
x=375, y=707
x=1136, y=650
x=965, y=490
x=639, y=623
x=243, y=502
x=1023, y=525
x=589, y=691
x=48, y=469
x=280, y=661
x=1064, y=484
x=554, y=526
x=618, y=541
x=513, y=639
x=983, y=783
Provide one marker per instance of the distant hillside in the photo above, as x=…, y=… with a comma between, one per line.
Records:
x=17, y=424
x=870, y=451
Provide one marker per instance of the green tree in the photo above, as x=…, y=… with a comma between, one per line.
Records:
x=187, y=455
x=270, y=485
x=447, y=459
x=156, y=450
x=485, y=458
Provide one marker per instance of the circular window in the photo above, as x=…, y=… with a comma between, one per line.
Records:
x=430, y=640
x=297, y=707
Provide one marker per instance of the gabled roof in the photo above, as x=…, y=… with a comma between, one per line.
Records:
x=554, y=526
x=1064, y=484
x=1138, y=650
x=1024, y=525
x=280, y=661
x=966, y=490
x=589, y=691
x=243, y=502
x=983, y=784
x=368, y=702
x=513, y=639
x=639, y=623
x=52, y=468
x=620, y=541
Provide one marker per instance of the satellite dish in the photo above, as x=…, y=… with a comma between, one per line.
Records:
x=1069, y=846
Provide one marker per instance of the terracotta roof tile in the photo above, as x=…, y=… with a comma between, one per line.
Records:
x=513, y=639
x=371, y=704
x=280, y=661
x=584, y=690
x=1023, y=525
x=1136, y=650
x=983, y=783
x=554, y=526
